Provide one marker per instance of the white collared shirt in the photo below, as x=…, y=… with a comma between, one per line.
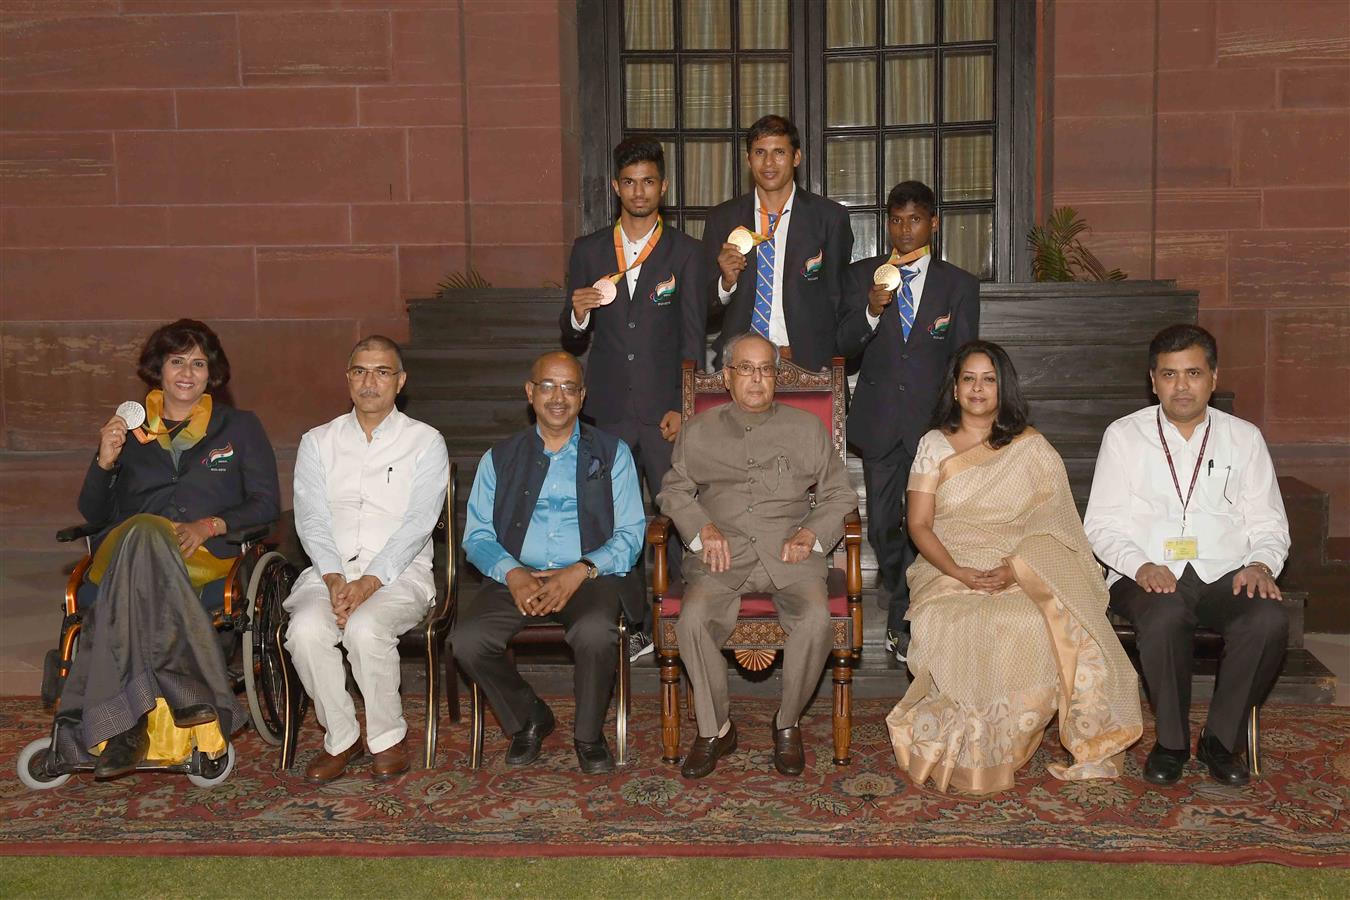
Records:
x=915, y=288
x=777, y=321
x=631, y=250
x=1236, y=513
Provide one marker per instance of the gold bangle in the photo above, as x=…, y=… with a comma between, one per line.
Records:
x=1270, y=573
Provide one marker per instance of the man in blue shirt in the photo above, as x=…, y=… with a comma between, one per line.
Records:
x=555, y=521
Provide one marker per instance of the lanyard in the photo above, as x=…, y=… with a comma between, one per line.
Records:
x=1199, y=459
x=898, y=260
x=642, y=257
x=770, y=229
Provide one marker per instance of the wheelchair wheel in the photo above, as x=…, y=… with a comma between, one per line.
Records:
x=264, y=677
x=33, y=767
x=214, y=771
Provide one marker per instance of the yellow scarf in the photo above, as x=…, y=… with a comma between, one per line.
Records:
x=181, y=438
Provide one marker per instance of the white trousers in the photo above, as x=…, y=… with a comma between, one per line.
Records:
x=371, y=640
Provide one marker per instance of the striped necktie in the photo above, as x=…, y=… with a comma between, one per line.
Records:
x=764, y=282
x=906, y=298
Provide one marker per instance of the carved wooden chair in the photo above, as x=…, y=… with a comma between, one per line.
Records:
x=429, y=634
x=757, y=638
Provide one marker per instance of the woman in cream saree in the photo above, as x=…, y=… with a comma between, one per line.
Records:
x=1008, y=606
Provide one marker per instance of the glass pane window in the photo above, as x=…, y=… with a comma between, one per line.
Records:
x=909, y=22
x=850, y=23
x=908, y=158
x=764, y=24
x=851, y=93
x=967, y=240
x=764, y=89
x=968, y=87
x=967, y=20
x=909, y=89
x=648, y=25
x=967, y=167
x=851, y=177
x=707, y=95
x=707, y=172
x=865, y=235
x=706, y=24
x=649, y=96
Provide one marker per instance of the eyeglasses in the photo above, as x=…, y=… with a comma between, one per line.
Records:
x=383, y=373
x=746, y=370
x=549, y=388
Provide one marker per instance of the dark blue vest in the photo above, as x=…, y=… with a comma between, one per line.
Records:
x=521, y=464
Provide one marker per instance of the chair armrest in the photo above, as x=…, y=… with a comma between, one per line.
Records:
x=77, y=532
x=248, y=535
x=853, y=554
x=658, y=532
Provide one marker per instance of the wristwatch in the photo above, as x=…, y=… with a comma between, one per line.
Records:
x=592, y=570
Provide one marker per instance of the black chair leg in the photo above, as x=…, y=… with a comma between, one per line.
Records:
x=452, y=683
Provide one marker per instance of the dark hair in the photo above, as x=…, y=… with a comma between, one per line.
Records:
x=1175, y=338
x=916, y=192
x=637, y=149
x=773, y=126
x=377, y=342
x=180, y=337
x=1012, y=406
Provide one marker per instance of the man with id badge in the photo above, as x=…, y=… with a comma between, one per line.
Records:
x=1186, y=512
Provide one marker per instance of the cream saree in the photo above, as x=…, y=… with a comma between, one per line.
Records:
x=990, y=671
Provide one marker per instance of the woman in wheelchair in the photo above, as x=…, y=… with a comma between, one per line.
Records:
x=163, y=495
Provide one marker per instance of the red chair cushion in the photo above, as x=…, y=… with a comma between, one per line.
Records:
x=761, y=605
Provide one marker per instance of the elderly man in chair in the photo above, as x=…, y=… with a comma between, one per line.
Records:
x=740, y=483
x=555, y=522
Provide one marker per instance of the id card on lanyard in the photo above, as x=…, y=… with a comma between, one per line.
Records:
x=1183, y=547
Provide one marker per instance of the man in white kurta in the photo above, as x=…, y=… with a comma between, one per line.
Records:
x=369, y=486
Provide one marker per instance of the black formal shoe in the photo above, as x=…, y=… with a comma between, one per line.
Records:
x=594, y=758
x=199, y=714
x=526, y=743
x=123, y=752
x=788, y=756
x=1165, y=766
x=705, y=752
x=1225, y=767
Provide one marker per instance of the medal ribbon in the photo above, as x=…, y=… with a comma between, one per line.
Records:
x=646, y=251
x=769, y=229
x=898, y=260
x=1199, y=459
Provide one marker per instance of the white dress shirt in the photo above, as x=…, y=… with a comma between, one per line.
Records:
x=1236, y=513
x=631, y=250
x=915, y=287
x=778, y=333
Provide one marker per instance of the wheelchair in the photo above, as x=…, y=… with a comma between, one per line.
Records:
x=242, y=607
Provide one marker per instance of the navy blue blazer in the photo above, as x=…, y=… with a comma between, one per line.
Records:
x=899, y=380
x=231, y=473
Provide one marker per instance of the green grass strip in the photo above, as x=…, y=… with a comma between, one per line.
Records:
x=302, y=877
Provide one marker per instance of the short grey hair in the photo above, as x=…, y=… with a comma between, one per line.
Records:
x=729, y=348
x=377, y=342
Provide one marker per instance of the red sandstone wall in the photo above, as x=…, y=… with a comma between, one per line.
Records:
x=1209, y=141
x=289, y=170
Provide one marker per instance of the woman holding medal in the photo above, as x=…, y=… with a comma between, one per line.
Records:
x=167, y=483
x=1008, y=606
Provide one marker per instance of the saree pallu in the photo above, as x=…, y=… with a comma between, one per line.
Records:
x=991, y=671
x=148, y=646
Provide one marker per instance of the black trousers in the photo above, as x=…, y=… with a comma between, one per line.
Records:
x=651, y=455
x=885, y=479
x=491, y=619
x=1254, y=632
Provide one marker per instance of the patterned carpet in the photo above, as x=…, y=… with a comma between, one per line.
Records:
x=1297, y=815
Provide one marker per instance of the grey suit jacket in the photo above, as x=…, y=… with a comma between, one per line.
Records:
x=749, y=474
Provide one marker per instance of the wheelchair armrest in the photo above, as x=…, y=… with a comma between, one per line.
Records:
x=77, y=532
x=248, y=535
x=658, y=532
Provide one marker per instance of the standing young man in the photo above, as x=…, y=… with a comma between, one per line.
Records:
x=635, y=298
x=906, y=313
x=779, y=253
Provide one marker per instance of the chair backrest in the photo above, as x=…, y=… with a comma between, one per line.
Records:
x=820, y=393
x=445, y=549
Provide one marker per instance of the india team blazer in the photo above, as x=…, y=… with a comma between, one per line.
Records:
x=637, y=342
x=819, y=247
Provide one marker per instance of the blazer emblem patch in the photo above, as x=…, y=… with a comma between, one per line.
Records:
x=939, y=327
x=664, y=292
x=811, y=268
x=219, y=459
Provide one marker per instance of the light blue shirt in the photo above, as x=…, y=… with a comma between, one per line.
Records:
x=553, y=538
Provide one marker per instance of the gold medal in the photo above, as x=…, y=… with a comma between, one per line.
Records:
x=743, y=238
x=607, y=290
x=887, y=275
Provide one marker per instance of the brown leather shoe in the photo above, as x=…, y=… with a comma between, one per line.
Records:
x=390, y=763
x=705, y=752
x=788, y=756
x=325, y=767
